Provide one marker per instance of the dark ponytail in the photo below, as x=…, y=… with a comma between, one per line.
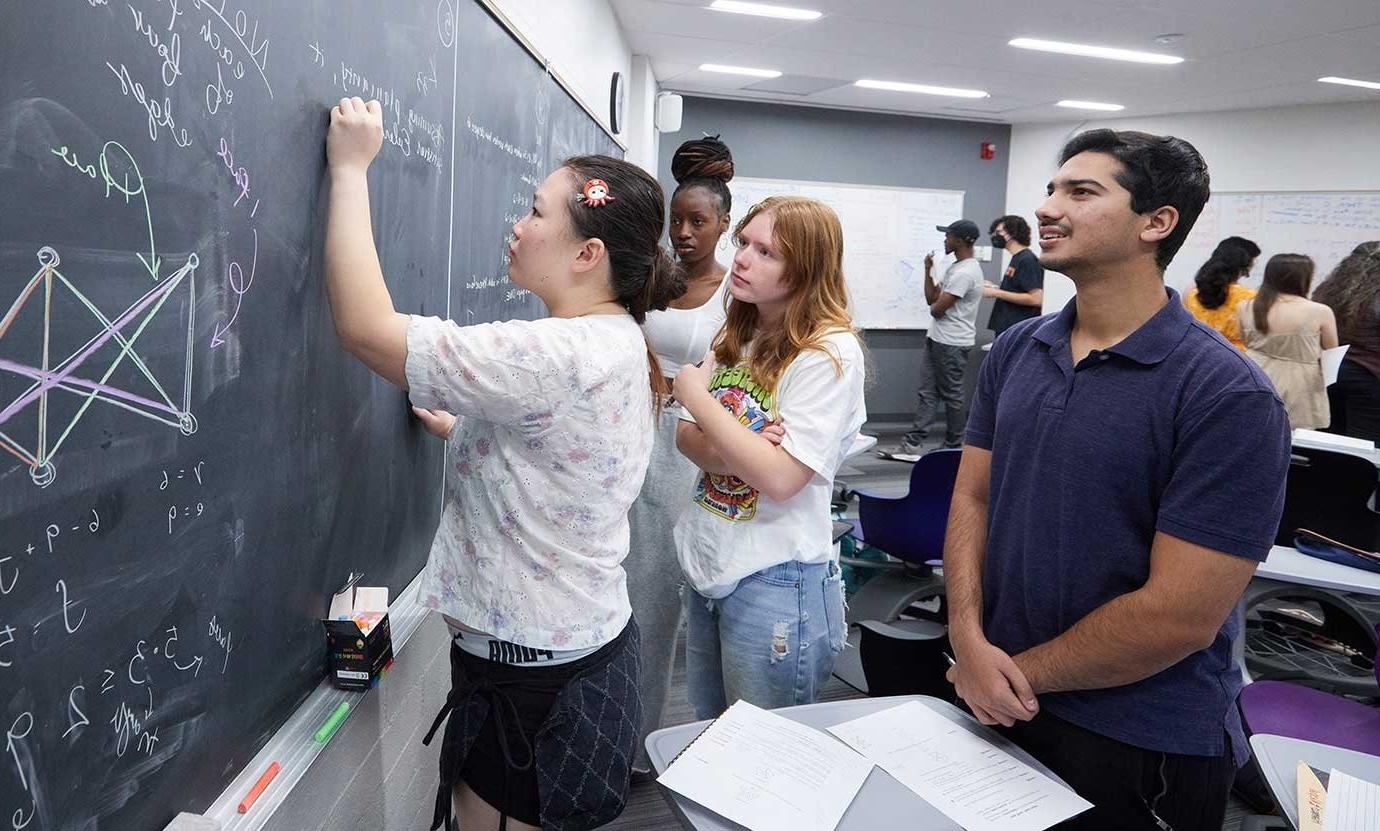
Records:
x=1224, y=267
x=642, y=275
x=666, y=284
x=704, y=163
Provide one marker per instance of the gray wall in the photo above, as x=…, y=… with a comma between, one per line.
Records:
x=778, y=141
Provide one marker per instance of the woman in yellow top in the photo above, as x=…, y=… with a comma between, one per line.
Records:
x=1217, y=295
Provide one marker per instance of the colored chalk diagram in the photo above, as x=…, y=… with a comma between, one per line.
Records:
x=80, y=374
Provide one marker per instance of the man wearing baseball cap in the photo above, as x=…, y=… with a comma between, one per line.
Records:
x=954, y=308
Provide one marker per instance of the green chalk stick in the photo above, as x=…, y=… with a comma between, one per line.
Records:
x=333, y=723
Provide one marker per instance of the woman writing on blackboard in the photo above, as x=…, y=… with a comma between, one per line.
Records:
x=679, y=335
x=547, y=451
x=764, y=607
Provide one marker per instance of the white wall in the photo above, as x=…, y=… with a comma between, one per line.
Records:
x=641, y=133
x=1323, y=147
x=585, y=45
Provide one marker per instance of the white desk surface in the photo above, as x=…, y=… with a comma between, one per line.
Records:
x=1319, y=441
x=1288, y=565
x=1279, y=757
x=861, y=444
x=882, y=799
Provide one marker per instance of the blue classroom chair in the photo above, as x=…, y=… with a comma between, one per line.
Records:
x=911, y=530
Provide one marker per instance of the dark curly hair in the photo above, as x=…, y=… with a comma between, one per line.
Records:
x=1353, y=289
x=1224, y=267
x=1016, y=228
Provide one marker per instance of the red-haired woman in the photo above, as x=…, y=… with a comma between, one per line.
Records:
x=764, y=600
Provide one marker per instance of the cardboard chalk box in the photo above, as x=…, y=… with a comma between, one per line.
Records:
x=359, y=639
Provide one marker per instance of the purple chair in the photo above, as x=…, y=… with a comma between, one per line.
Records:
x=1282, y=708
x=909, y=528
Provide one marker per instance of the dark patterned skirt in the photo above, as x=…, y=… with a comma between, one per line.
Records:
x=550, y=746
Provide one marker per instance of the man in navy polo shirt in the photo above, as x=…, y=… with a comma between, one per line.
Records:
x=1122, y=475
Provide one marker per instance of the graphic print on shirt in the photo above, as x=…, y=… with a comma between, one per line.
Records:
x=728, y=496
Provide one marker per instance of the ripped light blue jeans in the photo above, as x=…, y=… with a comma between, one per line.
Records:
x=771, y=642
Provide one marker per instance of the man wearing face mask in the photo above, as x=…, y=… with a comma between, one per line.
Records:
x=1022, y=289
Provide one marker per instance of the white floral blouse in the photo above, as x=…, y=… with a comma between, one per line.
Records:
x=552, y=441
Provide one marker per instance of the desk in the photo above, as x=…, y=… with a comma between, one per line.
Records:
x=1288, y=565
x=861, y=444
x=882, y=799
x=1279, y=757
x=1314, y=440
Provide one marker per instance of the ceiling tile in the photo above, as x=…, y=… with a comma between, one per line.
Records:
x=797, y=85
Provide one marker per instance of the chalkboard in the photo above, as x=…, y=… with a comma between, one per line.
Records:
x=189, y=465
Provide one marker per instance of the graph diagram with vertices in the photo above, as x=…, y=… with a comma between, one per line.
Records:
x=68, y=354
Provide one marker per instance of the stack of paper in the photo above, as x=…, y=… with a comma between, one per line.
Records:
x=768, y=773
x=1352, y=804
x=1332, y=363
x=972, y=779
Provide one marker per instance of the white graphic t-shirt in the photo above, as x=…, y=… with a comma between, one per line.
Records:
x=731, y=530
x=551, y=444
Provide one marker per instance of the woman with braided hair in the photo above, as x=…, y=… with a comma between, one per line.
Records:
x=699, y=217
x=679, y=335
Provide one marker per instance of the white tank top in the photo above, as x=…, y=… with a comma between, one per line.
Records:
x=682, y=336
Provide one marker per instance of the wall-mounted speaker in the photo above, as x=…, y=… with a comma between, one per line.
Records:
x=669, y=108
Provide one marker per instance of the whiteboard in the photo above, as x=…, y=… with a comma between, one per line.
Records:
x=1325, y=226
x=886, y=234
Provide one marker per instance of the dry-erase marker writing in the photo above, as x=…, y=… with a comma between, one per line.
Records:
x=334, y=722
x=259, y=786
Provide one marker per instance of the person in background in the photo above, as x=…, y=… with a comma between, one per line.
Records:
x=1353, y=293
x=1123, y=475
x=1285, y=333
x=764, y=600
x=954, y=305
x=1022, y=289
x=679, y=335
x=1217, y=292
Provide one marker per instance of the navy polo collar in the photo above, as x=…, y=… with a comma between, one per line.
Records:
x=1148, y=345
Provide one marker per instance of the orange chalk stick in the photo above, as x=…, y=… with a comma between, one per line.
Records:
x=259, y=786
